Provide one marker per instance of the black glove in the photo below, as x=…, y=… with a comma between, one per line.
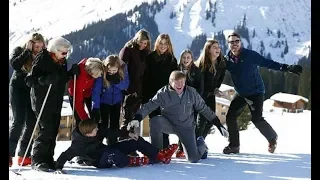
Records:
x=95, y=115
x=296, y=69
x=75, y=69
x=32, y=81
x=113, y=79
x=49, y=79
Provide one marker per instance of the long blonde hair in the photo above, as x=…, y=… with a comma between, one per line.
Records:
x=157, y=43
x=112, y=61
x=141, y=35
x=205, y=59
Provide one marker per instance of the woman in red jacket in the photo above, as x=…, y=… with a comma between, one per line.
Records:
x=90, y=69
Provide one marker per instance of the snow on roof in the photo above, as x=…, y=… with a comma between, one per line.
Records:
x=223, y=101
x=289, y=98
x=225, y=87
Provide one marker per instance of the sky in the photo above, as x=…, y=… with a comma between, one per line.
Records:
x=291, y=160
x=290, y=17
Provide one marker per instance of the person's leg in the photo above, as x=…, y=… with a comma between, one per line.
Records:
x=104, y=122
x=211, y=102
x=18, y=107
x=264, y=127
x=114, y=121
x=158, y=126
x=165, y=136
x=26, y=136
x=193, y=152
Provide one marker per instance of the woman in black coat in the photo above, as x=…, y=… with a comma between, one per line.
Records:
x=159, y=65
x=19, y=97
x=213, y=67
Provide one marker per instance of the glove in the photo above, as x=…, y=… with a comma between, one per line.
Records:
x=296, y=69
x=133, y=124
x=113, y=79
x=59, y=171
x=75, y=69
x=49, y=79
x=218, y=93
x=95, y=114
x=32, y=81
x=223, y=131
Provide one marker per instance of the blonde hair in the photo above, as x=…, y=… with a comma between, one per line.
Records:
x=112, y=61
x=205, y=59
x=93, y=66
x=141, y=35
x=55, y=44
x=176, y=75
x=87, y=126
x=34, y=38
x=157, y=43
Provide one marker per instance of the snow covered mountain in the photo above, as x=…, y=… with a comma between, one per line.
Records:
x=281, y=28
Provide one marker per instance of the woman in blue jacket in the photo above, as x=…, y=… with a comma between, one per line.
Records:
x=107, y=95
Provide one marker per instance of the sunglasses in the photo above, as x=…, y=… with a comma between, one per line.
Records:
x=63, y=53
x=234, y=42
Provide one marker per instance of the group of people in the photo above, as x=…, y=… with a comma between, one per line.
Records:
x=179, y=98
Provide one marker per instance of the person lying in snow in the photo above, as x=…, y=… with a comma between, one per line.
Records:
x=86, y=144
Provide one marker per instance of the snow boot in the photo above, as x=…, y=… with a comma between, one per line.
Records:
x=165, y=154
x=200, y=142
x=26, y=162
x=180, y=154
x=138, y=161
x=231, y=150
x=272, y=146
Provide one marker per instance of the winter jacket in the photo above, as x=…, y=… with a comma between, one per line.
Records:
x=194, y=78
x=45, y=68
x=245, y=74
x=90, y=148
x=158, y=70
x=135, y=60
x=19, y=57
x=113, y=94
x=179, y=111
x=84, y=84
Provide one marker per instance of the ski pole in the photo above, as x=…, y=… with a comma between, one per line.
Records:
x=34, y=129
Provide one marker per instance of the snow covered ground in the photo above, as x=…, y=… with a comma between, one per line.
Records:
x=292, y=159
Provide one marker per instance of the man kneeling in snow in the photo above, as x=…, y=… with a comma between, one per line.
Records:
x=178, y=103
x=86, y=144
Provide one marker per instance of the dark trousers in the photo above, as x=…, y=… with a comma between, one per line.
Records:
x=23, y=118
x=110, y=115
x=255, y=103
x=203, y=125
x=87, y=102
x=49, y=122
x=131, y=105
x=166, y=141
x=117, y=153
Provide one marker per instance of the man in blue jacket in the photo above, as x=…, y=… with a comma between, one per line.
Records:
x=243, y=65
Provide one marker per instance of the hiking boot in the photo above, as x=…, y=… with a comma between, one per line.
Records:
x=180, y=154
x=165, y=154
x=10, y=161
x=26, y=162
x=201, y=142
x=138, y=161
x=231, y=150
x=40, y=167
x=272, y=146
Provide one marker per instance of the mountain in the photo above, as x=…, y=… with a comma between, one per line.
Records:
x=278, y=29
